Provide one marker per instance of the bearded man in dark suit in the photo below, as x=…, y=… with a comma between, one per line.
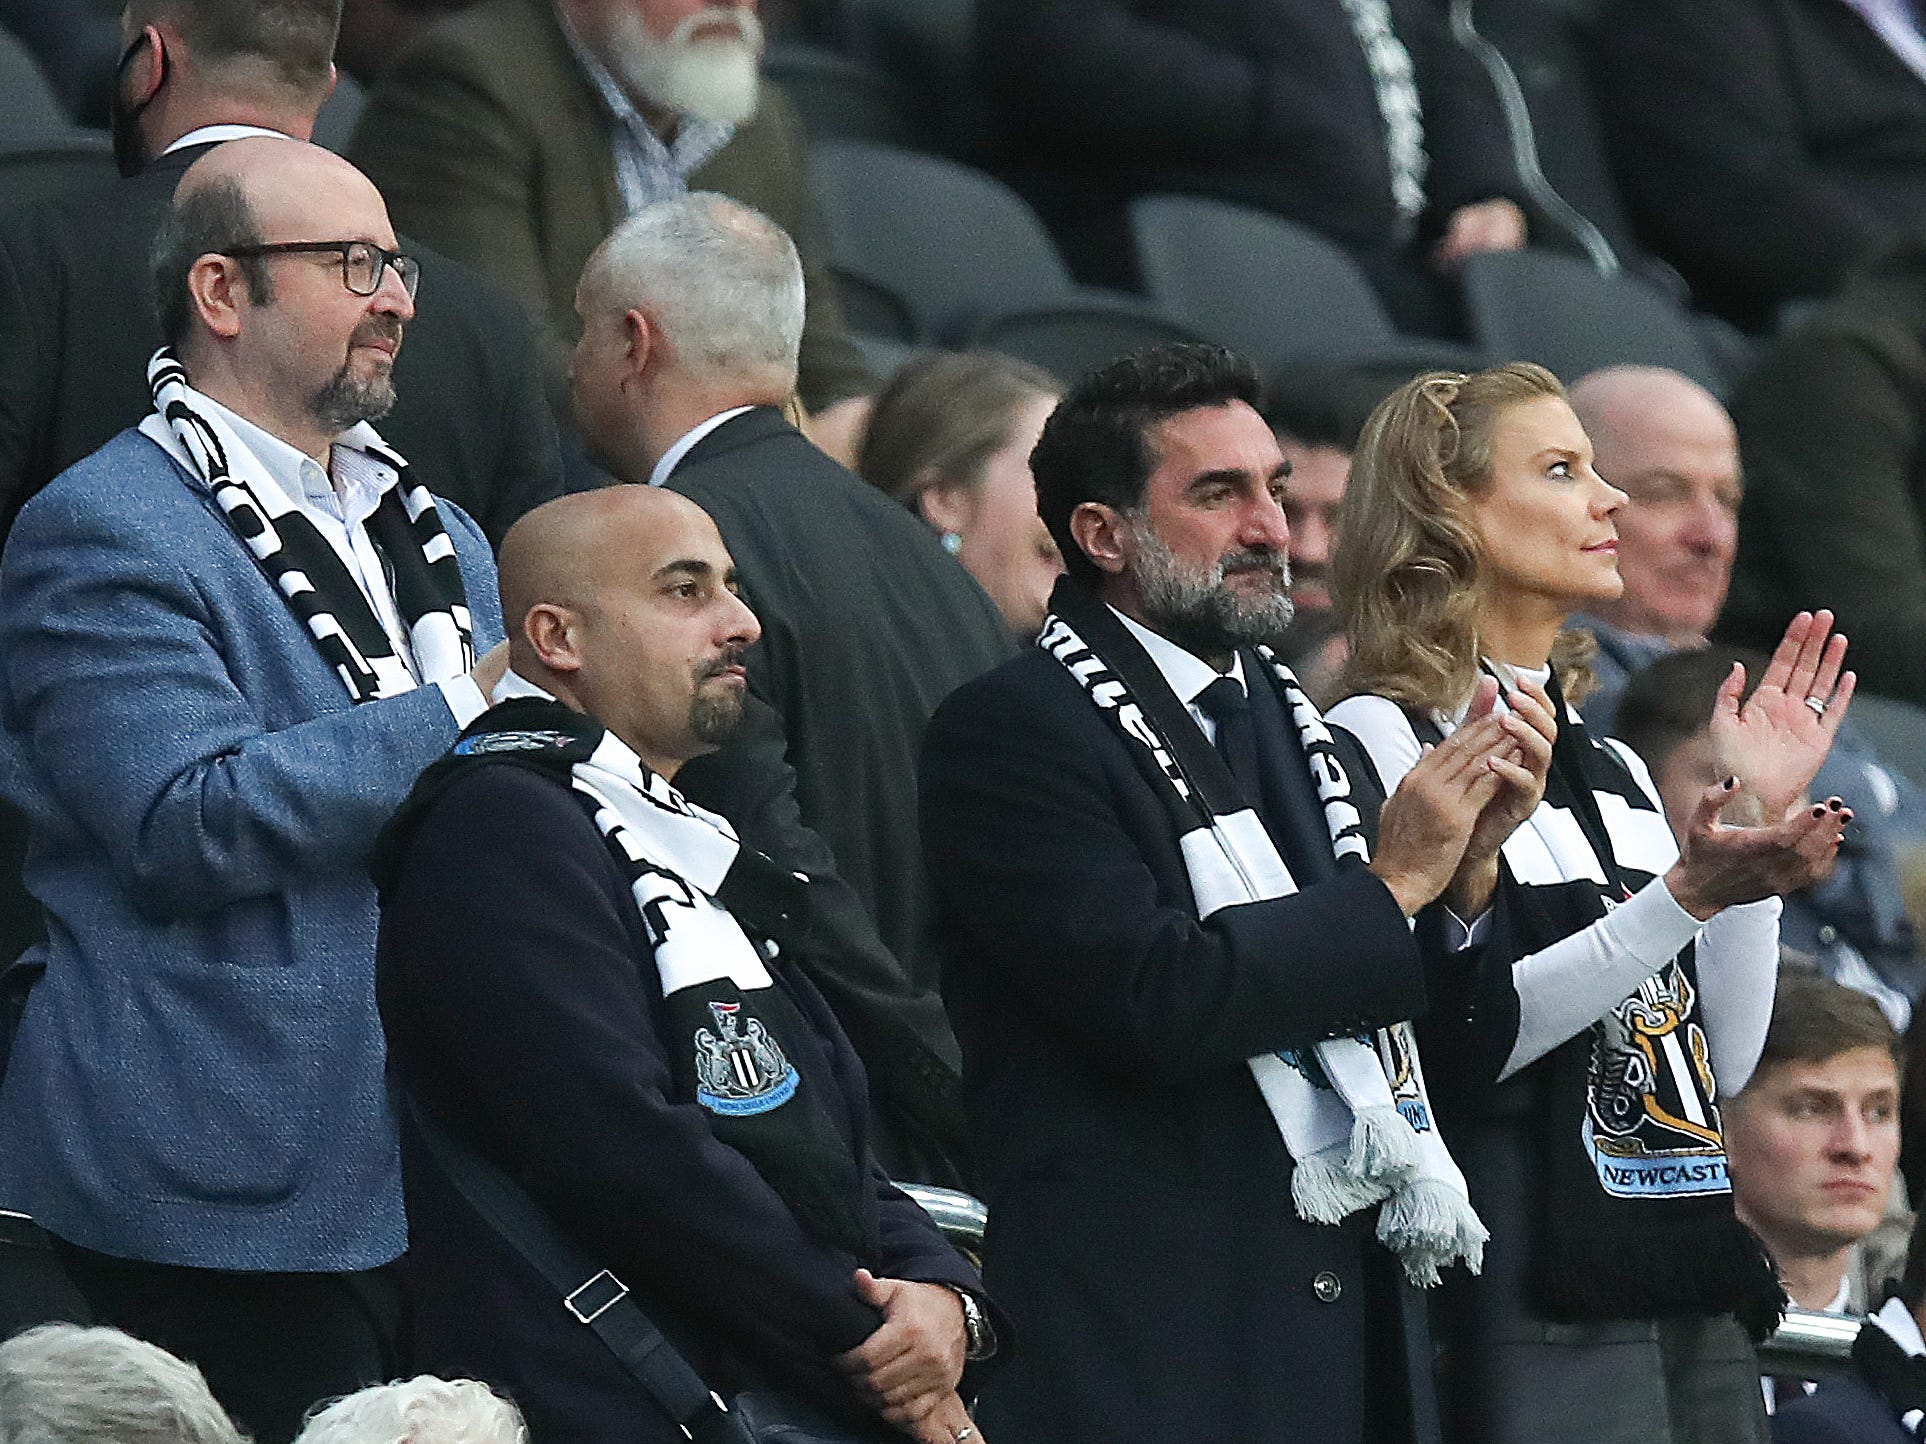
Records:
x=1169, y=940
x=77, y=319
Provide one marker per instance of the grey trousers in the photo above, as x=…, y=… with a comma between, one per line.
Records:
x=1681, y=1380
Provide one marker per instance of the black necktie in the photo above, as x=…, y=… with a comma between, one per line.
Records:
x=1224, y=702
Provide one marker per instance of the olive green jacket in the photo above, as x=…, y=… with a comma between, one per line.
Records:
x=491, y=144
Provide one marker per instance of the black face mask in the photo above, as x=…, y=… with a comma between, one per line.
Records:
x=123, y=118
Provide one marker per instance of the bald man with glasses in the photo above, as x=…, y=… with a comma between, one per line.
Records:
x=229, y=641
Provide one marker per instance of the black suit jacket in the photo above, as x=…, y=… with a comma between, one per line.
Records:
x=867, y=625
x=523, y=1010
x=1763, y=145
x=1268, y=103
x=1832, y=433
x=78, y=322
x=1142, y=1236
x=1840, y=1411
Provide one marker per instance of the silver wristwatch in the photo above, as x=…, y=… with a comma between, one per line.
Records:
x=981, y=1338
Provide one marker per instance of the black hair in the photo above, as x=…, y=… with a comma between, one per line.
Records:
x=1096, y=444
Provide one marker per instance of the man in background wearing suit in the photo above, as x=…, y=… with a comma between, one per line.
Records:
x=229, y=641
x=77, y=319
x=1882, y=1399
x=691, y=314
x=1363, y=120
x=515, y=135
x=1114, y=1015
x=1765, y=147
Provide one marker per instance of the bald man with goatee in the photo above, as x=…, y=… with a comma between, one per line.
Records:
x=230, y=640
x=594, y=986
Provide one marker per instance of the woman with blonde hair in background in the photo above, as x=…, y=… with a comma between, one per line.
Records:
x=1597, y=989
x=950, y=438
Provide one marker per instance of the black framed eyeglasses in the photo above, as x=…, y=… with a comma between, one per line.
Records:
x=362, y=262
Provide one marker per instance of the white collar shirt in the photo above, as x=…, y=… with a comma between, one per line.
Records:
x=215, y=134
x=341, y=517
x=1187, y=673
x=688, y=441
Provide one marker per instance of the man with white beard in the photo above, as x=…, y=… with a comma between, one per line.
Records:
x=516, y=134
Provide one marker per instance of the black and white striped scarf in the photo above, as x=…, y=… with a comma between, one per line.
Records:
x=306, y=570
x=1353, y=1112
x=1632, y=1205
x=714, y=912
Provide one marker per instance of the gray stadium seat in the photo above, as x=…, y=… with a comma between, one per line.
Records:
x=883, y=356
x=29, y=113
x=82, y=158
x=1896, y=729
x=1542, y=43
x=1072, y=340
x=840, y=98
x=339, y=112
x=953, y=244
x=1535, y=305
x=1269, y=287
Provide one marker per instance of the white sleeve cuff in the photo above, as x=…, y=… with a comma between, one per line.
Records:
x=1650, y=924
x=1567, y=986
x=464, y=698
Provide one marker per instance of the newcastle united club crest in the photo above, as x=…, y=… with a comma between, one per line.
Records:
x=1652, y=1127
x=740, y=1071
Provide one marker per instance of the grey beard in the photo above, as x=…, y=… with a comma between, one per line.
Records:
x=1194, y=608
x=709, y=80
x=346, y=401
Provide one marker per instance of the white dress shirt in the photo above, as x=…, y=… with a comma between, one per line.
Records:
x=686, y=443
x=1187, y=673
x=215, y=134
x=339, y=508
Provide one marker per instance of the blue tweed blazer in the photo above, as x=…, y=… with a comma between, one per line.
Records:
x=198, y=1078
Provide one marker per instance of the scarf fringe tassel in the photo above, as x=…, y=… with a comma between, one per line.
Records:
x=1430, y=1227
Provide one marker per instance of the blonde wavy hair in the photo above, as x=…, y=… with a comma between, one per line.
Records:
x=1405, y=578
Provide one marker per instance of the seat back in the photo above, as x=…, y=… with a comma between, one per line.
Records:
x=339, y=112
x=841, y=98
x=1072, y=340
x=1541, y=42
x=956, y=245
x=1536, y=305
x=1896, y=729
x=54, y=167
x=29, y=112
x=1270, y=288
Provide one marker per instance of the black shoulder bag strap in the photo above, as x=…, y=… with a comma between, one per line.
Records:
x=592, y=1295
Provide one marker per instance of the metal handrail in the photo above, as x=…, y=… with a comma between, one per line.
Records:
x=1810, y=1345
x=961, y=1217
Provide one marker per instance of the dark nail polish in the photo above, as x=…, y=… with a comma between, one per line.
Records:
x=1730, y=783
x=1818, y=812
x=1835, y=804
